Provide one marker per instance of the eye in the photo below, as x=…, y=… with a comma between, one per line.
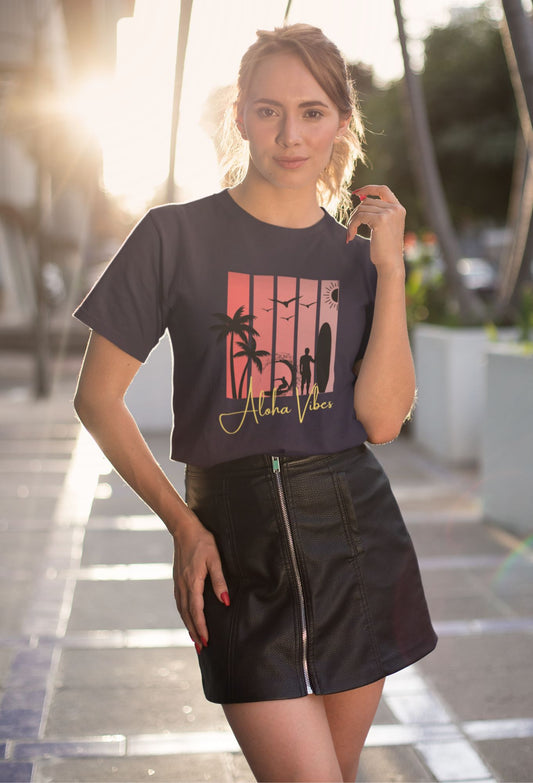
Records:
x=266, y=111
x=313, y=114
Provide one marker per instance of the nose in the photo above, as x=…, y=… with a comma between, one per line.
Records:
x=289, y=131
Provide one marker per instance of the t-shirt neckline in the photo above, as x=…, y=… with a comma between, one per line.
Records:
x=247, y=215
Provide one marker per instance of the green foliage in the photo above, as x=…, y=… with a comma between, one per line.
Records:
x=524, y=319
x=472, y=115
x=426, y=294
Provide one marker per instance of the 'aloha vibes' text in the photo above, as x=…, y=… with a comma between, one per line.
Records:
x=267, y=405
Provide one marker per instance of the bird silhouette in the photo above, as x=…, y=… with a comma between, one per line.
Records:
x=303, y=304
x=285, y=302
x=287, y=317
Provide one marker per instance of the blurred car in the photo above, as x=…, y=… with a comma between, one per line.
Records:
x=477, y=274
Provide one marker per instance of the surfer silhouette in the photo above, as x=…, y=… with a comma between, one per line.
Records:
x=305, y=370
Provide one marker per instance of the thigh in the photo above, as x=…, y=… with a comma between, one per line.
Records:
x=286, y=739
x=350, y=715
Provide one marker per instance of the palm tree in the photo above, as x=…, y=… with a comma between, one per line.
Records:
x=240, y=325
x=517, y=38
x=183, y=35
x=431, y=185
x=249, y=349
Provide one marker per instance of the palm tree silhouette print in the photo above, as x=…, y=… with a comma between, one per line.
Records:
x=250, y=350
x=240, y=325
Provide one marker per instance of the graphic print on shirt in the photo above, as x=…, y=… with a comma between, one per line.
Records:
x=280, y=335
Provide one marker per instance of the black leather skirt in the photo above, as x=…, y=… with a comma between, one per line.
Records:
x=323, y=579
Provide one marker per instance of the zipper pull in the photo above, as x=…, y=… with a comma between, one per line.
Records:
x=275, y=464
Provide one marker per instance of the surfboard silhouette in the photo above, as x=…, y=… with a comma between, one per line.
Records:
x=323, y=357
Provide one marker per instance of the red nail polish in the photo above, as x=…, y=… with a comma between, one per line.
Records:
x=198, y=647
x=204, y=641
x=224, y=597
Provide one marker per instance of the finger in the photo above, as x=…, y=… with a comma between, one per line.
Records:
x=355, y=222
x=381, y=191
x=216, y=574
x=182, y=604
x=196, y=612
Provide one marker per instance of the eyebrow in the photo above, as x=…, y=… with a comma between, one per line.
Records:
x=303, y=105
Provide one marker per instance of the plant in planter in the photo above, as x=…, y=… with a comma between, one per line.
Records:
x=450, y=363
x=508, y=427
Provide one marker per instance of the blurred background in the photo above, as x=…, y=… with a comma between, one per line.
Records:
x=102, y=115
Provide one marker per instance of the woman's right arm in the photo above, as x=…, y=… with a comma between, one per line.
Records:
x=105, y=376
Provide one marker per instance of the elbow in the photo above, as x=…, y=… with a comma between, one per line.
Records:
x=87, y=409
x=381, y=432
x=81, y=407
x=384, y=429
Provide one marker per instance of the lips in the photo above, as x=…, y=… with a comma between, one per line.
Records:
x=290, y=162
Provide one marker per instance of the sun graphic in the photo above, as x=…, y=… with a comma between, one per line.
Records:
x=330, y=295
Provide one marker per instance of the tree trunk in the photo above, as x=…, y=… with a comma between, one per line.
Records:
x=517, y=38
x=470, y=308
x=183, y=35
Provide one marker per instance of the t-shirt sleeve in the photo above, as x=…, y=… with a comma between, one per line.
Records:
x=127, y=303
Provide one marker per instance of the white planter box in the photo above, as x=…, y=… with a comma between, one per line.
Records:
x=450, y=368
x=507, y=455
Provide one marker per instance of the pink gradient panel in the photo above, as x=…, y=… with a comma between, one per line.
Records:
x=263, y=295
x=286, y=305
x=329, y=311
x=307, y=313
x=238, y=296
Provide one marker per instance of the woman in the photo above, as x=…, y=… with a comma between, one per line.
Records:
x=293, y=571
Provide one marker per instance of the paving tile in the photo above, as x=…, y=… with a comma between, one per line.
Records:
x=454, y=761
x=121, y=500
x=216, y=767
x=27, y=508
x=513, y=576
x=128, y=668
x=384, y=714
x=30, y=668
x=519, y=604
x=96, y=747
x=511, y=759
x=15, y=772
x=23, y=549
x=483, y=677
x=455, y=539
x=15, y=596
x=463, y=607
x=447, y=584
x=116, y=605
x=392, y=765
x=180, y=707
x=113, y=546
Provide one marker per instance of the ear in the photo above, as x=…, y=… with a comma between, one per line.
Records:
x=240, y=127
x=343, y=126
x=239, y=122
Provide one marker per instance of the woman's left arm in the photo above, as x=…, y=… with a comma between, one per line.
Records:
x=385, y=387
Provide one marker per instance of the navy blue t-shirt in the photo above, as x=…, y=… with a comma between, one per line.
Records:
x=266, y=324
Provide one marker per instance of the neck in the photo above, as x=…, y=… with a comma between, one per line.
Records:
x=279, y=206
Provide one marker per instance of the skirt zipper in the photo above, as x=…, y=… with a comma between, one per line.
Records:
x=296, y=570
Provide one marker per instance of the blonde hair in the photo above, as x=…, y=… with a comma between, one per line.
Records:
x=326, y=64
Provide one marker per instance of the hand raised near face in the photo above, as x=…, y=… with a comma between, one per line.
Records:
x=382, y=212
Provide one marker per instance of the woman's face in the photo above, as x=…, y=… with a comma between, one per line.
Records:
x=290, y=123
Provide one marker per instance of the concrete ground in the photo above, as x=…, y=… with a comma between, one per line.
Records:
x=99, y=681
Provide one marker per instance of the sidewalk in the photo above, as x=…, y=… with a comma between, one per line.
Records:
x=99, y=680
